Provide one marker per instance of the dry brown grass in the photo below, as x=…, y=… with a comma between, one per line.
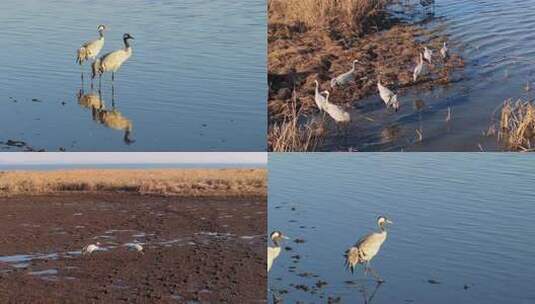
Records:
x=168, y=182
x=321, y=13
x=517, y=125
x=292, y=136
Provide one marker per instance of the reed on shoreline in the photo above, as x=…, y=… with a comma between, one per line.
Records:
x=354, y=14
x=517, y=125
x=166, y=182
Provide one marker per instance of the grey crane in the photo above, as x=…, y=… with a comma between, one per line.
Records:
x=111, y=62
x=337, y=113
x=344, y=78
x=274, y=252
x=428, y=54
x=418, y=70
x=318, y=98
x=444, y=50
x=91, y=49
x=367, y=248
x=389, y=98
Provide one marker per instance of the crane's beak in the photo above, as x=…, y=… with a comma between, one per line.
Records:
x=285, y=237
x=389, y=222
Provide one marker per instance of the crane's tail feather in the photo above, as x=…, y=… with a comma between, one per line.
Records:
x=352, y=259
x=81, y=55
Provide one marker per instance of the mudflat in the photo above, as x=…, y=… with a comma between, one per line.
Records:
x=196, y=250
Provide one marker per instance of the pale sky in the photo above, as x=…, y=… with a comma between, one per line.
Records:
x=17, y=158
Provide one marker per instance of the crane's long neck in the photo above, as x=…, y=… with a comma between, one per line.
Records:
x=382, y=228
x=126, y=43
x=101, y=34
x=276, y=243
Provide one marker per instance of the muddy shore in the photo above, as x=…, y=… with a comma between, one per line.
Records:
x=197, y=250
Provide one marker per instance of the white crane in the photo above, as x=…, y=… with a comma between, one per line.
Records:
x=344, y=78
x=273, y=252
x=318, y=98
x=419, y=68
x=444, y=50
x=389, y=98
x=367, y=248
x=91, y=49
x=337, y=113
x=111, y=62
x=90, y=248
x=428, y=54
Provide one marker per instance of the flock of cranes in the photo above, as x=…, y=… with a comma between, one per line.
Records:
x=339, y=115
x=110, y=62
x=362, y=252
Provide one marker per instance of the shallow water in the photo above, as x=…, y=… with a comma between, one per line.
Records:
x=497, y=42
x=196, y=80
x=462, y=221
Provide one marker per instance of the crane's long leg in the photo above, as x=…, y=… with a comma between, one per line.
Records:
x=82, y=75
x=113, y=95
x=375, y=275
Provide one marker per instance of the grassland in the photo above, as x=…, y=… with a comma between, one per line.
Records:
x=167, y=182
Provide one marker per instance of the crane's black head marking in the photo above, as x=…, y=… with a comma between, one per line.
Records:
x=127, y=36
x=382, y=220
x=101, y=27
x=276, y=235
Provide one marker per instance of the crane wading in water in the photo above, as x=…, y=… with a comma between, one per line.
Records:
x=367, y=248
x=113, y=61
x=274, y=252
x=91, y=49
x=390, y=99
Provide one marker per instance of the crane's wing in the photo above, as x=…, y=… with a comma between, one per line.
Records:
x=370, y=244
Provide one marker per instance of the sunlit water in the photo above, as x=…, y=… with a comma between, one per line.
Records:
x=464, y=221
x=195, y=81
x=497, y=42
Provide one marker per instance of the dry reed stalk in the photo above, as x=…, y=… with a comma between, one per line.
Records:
x=291, y=136
x=517, y=125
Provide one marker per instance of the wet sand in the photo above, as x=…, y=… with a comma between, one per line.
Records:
x=197, y=250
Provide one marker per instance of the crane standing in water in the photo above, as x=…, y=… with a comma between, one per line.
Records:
x=91, y=49
x=337, y=113
x=274, y=252
x=113, y=61
x=390, y=99
x=444, y=50
x=428, y=54
x=367, y=248
x=418, y=70
x=319, y=99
